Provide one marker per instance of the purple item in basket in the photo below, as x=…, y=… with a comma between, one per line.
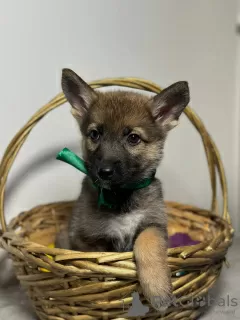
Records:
x=181, y=240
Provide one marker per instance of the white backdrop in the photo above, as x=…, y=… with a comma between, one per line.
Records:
x=160, y=40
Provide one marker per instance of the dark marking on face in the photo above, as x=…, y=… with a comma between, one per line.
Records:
x=126, y=131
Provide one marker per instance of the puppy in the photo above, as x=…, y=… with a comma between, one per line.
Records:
x=123, y=139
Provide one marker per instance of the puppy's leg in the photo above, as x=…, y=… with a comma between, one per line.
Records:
x=150, y=250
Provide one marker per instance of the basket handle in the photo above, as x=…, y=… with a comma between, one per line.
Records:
x=213, y=157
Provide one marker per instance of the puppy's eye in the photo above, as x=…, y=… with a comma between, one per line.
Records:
x=94, y=135
x=133, y=139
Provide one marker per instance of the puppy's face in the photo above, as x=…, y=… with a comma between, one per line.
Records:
x=123, y=132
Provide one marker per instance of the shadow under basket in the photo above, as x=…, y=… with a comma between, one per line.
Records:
x=64, y=284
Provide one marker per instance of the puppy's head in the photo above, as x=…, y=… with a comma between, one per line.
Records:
x=123, y=132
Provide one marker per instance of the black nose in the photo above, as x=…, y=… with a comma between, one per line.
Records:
x=106, y=173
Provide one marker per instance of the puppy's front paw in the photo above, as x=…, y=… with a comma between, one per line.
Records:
x=150, y=251
x=156, y=285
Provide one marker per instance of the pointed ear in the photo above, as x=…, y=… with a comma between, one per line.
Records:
x=168, y=105
x=78, y=93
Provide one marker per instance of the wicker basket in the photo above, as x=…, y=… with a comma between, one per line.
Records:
x=64, y=284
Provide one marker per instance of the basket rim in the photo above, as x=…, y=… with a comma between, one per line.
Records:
x=10, y=238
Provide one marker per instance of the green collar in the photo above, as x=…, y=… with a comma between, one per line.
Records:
x=71, y=158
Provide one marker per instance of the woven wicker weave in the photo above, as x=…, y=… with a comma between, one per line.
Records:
x=64, y=284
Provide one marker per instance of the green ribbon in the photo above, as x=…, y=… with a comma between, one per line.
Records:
x=71, y=158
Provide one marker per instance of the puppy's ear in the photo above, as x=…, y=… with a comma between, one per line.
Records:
x=168, y=105
x=78, y=93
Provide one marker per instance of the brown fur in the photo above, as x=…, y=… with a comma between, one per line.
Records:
x=119, y=110
x=150, y=250
x=124, y=131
